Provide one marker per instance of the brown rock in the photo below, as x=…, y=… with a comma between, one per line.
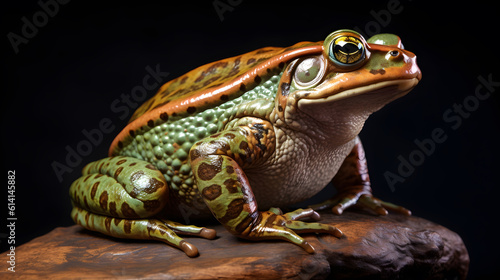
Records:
x=374, y=247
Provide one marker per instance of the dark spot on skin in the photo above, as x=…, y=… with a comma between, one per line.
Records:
x=127, y=226
x=151, y=123
x=103, y=200
x=98, y=176
x=250, y=61
x=100, y=167
x=107, y=224
x=127, y=211
x=270, y=220
x=243, y=87
x=134, y=193
x=281, y=65
x=229, y=170
x=118, y=171
x=87, y=216
x=222, y=146
x=152, y=205
x=211, y=80
x=215, y=135
x=164, y=116
x=133, y=163
x=231, y=185
x=224, y=97
x=174, y=114
x=86, y=178
x=191, y=110
x=257, y=79
x=280, y=109
x=151, y=167
x=208, y=171
x=378, y=71
x=285, y=89
x=150, y=187
x=211, y=192
x=195, y=153
x=112, y=209
x=236, y=67
x=243, y=145
x=229, y=136
x=94, y=190
x=183, y=80
x=120, y=144
x=244, y=224
x=154, y=185
x=85, y=202
x=264, y=50
x=121, y=162
x=150, y=227
x=259, y=135
x=131, y=132
x=117, y=221
x=233, y=210
x=211, y=70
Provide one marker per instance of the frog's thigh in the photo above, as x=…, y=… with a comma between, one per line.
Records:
x=116, y=196
x=121, y=187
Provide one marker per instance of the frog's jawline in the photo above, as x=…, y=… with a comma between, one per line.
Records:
x=398, y=88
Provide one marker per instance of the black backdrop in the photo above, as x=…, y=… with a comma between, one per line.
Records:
x=74, y=63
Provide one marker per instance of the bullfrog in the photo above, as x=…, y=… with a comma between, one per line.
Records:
x=241, y=138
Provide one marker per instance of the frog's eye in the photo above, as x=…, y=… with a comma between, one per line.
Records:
x=347, y=51
x=309, y=72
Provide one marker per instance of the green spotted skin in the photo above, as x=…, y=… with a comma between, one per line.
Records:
x=167, y=145
x=105, y=184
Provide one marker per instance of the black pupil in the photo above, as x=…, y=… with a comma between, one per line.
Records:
x=346, y=47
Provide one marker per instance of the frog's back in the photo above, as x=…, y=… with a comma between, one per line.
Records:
x=208, y=87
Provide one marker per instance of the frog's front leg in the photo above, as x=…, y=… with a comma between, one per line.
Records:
x=218, y=162
x=120, y=196
x=353, y=187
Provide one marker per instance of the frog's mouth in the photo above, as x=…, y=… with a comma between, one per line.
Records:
x=384, y=91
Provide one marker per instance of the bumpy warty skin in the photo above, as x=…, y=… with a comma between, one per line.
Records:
x=300, y=168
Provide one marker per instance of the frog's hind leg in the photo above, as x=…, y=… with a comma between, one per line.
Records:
x=134, y=229
x=120, y=196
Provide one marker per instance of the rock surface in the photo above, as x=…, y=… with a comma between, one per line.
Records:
x=390, y=247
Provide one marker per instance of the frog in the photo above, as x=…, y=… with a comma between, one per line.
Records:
x=241, y=138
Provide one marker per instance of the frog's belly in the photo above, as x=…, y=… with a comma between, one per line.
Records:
x=297, y=176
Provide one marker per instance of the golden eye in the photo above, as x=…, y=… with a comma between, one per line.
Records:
x=347, y=50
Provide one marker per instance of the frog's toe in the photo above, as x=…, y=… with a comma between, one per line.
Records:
x=303, y=213
x=380, y=207
x=188, y=248
x=190, y=229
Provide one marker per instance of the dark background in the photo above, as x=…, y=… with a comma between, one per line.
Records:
x=66, y=77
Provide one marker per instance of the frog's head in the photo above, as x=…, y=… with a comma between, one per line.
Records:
x=352, y=78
